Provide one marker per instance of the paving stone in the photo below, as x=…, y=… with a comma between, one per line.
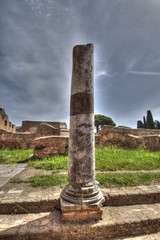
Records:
x=3, y=180
x=116, y=222
x=3, y=167
x=18, y=197
x=155, y=236
x=15, y=191
x=27, y=196
x=9, y=171
x=35, y=195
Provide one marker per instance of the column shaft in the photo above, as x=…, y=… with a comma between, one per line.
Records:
x=81, y=141
x=82, y=194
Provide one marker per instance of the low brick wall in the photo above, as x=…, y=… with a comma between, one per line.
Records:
x=29, y=125
x=16, y=140
x=129, y=138
x=24, y=140
x=45, y=129
x=108, y=136
x=50, y=145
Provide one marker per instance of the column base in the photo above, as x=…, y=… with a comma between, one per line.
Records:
x=82, y=216
x=81, y=205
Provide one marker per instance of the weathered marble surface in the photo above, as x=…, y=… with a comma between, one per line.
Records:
x=82, y=73
x=82, y=193
x=81, y=150
x=81, y=140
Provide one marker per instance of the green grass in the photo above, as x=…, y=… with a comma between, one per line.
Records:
x=51, y=163
x=14, y=156
x=54, y=179
x=107, y=159
x=106, y=180
x=127, y=179
x=113, y=159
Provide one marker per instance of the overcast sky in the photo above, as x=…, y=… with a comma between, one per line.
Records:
x=36, y=41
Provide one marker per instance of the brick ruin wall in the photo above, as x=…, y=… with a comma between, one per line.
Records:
x=129, y=138
x=24, y=139
x=51, y=145
x=5, y=124
x=31, y=126
x=16, y=140
x=108, y=136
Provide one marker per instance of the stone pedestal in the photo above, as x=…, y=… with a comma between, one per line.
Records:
x=81, y=199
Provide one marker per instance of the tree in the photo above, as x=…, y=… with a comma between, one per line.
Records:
x=140, y=124
x=101, y=120
x=157, y=124
x=144, y=122
x=150, y=122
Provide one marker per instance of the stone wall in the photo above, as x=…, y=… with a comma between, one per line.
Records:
x=16, y=140
x=50, y=145
x=108, y=136
x=129, y=138
x=24, y=139
x=31, y=126
x=5, y=124
x=26, y=133
x=45, y=129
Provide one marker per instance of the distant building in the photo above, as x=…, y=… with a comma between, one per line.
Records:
x=39, y=128
x=43, y=128
x=5, y=124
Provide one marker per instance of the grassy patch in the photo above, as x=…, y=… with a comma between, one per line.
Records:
x=127, y=179
x=16, y=180
x=108, y=159
x=14, y=156
x=54, y=179
x=51, y=163
x=106, y=180
x=113, y=159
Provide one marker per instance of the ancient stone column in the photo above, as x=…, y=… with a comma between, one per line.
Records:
x=81, y=199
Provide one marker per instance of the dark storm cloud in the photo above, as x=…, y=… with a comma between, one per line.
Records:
x=36, y=44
